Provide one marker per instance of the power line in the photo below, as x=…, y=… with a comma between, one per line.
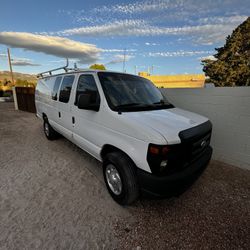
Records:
x=124, y=60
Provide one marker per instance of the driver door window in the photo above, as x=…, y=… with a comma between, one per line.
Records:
x=87, y=85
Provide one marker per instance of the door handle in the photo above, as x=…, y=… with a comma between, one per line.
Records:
x=59, y=114
x=73, y=119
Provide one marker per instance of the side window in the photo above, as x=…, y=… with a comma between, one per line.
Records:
x=66, y=88
x=56, y=87
x=87, y=85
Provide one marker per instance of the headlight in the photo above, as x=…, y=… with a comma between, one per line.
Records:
x=157, y=157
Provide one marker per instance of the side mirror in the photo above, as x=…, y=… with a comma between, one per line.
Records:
x=85, y=101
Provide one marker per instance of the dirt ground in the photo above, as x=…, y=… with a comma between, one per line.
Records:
x=52, y=196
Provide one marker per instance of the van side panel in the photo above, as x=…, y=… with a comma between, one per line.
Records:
x=44, y=103
x=91, y=134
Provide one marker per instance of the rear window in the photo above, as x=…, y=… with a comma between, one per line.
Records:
x=45, y=86
x=56, y=87
x=66, y=88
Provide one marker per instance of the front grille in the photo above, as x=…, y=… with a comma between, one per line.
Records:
x=195, y=140
x=199, y=146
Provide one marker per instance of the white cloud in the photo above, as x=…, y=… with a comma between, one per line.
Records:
x=151, y=44
x=172, y=9
x=52, y=45
x=21, y=62
x=140, y=7
x=203, y=34
x=62, y=61
x=118, y=50
x=200, y=19
x=118, y=28
x=236, y=19
x=177, y=53
x=120, y=58
x=210, y=57
x=2, y=55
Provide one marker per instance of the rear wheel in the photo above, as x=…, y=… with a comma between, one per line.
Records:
x=49, y=132
x=120, y=178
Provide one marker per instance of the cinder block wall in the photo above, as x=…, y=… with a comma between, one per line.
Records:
x=229, y=110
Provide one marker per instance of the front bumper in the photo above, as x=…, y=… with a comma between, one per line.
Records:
x=176, y=183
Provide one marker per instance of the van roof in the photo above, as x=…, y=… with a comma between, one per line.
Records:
x=68, y=70
x=72, y=71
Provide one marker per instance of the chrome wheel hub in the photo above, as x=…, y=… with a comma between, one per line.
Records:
x=113, y=179
x=46, y=129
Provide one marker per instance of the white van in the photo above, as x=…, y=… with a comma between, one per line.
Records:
x=146, y=144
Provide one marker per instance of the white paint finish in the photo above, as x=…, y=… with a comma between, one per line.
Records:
x=229, y=110
x=168, y=122
x=131, y=132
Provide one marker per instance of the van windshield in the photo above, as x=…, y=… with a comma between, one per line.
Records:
x=126, y=92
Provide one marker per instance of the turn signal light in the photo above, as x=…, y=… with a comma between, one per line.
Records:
x=158, y=150
x=154, y=150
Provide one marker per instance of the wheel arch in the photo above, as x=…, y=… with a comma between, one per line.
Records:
x=108, y=148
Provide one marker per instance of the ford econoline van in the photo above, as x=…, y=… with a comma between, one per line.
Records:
x=145, y=143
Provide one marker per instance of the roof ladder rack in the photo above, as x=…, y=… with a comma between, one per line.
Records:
x=65, y=68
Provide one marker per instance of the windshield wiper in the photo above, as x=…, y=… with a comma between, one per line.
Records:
x=163, y=103
x=129, y=105
x=160, y=102
x=142, y=106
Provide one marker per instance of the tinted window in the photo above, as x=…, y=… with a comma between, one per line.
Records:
x=66, y=88
x=87, y=85
x=56, y=87
x=126, y=92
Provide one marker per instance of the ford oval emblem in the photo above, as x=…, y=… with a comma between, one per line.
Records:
x=203, y=143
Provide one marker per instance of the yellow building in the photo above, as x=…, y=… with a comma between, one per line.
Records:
x=176, y=81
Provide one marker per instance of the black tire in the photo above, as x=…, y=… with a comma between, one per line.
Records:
x=49, y=132
x=127, y=172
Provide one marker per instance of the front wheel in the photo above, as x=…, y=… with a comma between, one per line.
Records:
x=120, y=178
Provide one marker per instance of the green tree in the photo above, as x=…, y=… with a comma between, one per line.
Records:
x=231, y=66
x=24, y=83
x=97, y=66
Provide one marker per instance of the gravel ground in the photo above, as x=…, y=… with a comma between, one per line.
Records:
x=52, y=196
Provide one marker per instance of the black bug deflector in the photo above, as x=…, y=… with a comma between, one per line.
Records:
x=197, y=131
x=195, y=140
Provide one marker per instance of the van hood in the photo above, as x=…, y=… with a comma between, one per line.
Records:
x=167, y=122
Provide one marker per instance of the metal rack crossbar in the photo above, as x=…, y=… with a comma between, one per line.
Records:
x=49, y=72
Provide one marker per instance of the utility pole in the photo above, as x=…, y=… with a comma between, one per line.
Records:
x=148, y=70
x=11, y=72
x=135, y=69
x=124, y=60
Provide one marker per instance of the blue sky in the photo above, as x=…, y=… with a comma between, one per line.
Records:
x=171, y=36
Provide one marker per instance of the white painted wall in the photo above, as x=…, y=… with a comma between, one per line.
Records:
x=229, y=110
